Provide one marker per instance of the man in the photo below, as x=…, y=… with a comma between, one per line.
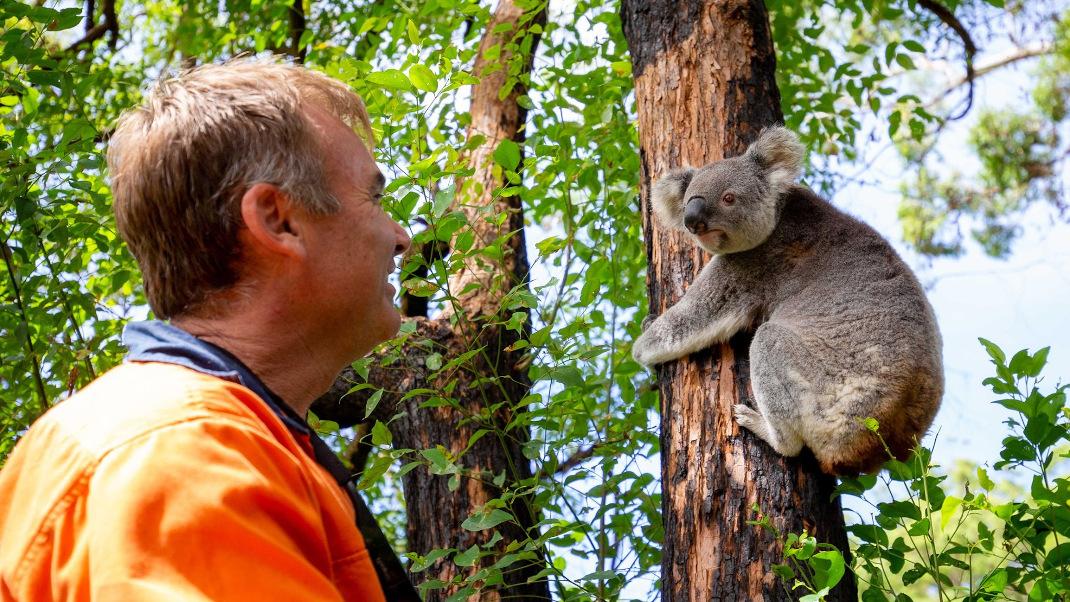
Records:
x=249, y=196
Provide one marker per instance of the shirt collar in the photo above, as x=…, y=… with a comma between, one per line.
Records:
x=156, y=341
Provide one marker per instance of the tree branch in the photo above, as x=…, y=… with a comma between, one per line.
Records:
x=1020, y=54
x=95, y=32
x=298, y=26
x=575, y=459
x=90, y=15
x=949, y=19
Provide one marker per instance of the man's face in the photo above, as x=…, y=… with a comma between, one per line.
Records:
x=351, y=252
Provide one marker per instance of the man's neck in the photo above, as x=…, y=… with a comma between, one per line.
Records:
x=278, y=352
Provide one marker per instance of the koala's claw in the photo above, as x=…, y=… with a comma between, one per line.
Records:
x=647, y=321
x=747, y=417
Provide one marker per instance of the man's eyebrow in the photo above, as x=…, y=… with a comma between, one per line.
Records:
x=380, y=181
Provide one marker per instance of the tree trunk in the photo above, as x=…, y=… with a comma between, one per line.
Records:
x=705, y=86
x=494, y=378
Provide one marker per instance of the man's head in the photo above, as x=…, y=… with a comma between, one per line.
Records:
x=231, y=177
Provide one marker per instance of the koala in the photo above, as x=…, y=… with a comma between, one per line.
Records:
x=844, y=331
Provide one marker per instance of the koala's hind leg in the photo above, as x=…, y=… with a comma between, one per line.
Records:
x=779, y=364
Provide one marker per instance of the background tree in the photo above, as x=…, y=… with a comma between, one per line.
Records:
x=455, y=501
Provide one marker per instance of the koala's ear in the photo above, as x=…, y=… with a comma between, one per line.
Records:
x=667, y=196
x=779, y=152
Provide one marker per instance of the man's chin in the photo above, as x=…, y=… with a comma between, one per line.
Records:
x=391, y=322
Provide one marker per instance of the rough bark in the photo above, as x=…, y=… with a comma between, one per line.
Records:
x=704, y=85
x=494, y=379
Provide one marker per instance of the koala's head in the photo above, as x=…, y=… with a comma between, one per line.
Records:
x=732, y=205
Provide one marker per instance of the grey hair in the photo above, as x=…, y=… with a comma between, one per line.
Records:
x=181, y=161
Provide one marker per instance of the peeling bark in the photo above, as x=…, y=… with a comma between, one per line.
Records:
x=704, y=85
x=491, y=384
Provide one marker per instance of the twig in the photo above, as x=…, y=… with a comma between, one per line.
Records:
x=95, y=32
x=39, y=382
x=951, y=21
x=575, y=459
x=1020, y=55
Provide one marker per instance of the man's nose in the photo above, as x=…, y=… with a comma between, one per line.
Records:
x=695, y=215
x=403, y=240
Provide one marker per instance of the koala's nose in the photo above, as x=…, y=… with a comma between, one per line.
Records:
x=694, y=218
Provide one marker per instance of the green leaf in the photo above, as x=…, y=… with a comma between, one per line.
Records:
x=67, y=18
x=913, y=574
x=423, y=78
x=486, y=520
x=440, y=464
x=375, y=471
x=381, y=435
x=905, y=61
x=899, y=509
x=442, y=201
x=390, y=78
x=817, y=596
x=413, y=32
x=951, y=504
x=828, y=568
x=373, y=401
x=507, y=154
x=994, y=582
x=1019, y=362
x=1036, y=363
x=920, y=527
x=913, y=46
x=783, y=571
x=468, y=557
x=422, y=563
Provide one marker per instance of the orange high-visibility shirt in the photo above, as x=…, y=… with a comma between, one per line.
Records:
x=158, y=482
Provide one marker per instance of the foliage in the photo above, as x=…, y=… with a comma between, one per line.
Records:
x=812, y=566
x=1019, y=150
x=69, y=285
x=970, y=538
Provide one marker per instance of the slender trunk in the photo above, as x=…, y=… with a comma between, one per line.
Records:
x=495, y=377
x=704, y=85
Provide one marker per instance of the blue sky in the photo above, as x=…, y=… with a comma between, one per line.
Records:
x=1017, y=302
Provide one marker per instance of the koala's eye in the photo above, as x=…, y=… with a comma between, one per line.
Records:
x=728, y=198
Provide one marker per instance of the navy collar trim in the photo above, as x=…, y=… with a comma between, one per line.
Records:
x=156, y=341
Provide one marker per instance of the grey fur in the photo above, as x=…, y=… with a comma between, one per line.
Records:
x=845, y=333
x=666, y=192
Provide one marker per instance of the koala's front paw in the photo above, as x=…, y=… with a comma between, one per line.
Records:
x=749, y=418
x=643, y=350
x=647, y=321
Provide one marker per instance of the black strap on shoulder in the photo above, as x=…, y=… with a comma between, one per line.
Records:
x=392, y=575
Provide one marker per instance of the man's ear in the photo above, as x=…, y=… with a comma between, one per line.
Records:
x=271, y=220
x=667, y=197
